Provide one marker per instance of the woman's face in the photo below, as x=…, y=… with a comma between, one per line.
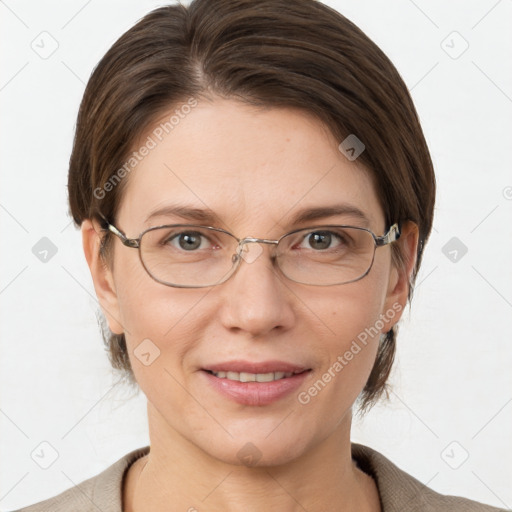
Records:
x=255, y=169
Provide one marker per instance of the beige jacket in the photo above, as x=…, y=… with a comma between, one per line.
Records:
x=399, y=491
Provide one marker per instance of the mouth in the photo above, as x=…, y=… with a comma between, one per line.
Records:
x=255, y=384
x=251, y=371
x=254, y=377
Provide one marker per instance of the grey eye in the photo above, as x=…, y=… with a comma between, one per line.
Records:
x=321, y=240
x=189, y=241
x=186, y=240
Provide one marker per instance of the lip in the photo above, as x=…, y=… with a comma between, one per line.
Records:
x=256, y=393
x=254, y=367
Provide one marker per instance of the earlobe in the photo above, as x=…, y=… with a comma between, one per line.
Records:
x=101, y=274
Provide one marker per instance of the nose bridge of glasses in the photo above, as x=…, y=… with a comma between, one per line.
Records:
x=250, y=239
x=251, y=255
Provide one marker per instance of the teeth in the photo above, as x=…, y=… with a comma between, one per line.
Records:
x=252, y=377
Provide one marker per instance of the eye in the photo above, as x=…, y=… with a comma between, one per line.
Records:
x=187, y=240
x=324, y=239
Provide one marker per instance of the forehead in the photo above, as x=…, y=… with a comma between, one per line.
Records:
x=249, y=166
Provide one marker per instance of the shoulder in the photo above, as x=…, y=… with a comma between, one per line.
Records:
x=400, y=491
x=101, y=492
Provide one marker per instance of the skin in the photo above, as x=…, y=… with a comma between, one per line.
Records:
x=255, y=168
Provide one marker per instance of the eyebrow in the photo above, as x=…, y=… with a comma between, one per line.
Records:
x=307, y=214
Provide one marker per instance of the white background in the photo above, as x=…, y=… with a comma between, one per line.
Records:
x=452, y=378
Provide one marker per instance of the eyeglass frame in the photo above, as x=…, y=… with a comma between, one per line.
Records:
x=391, y=235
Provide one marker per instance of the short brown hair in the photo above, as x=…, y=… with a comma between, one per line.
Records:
x=269, y=53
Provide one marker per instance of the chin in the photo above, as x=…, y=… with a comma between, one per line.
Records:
x=256, y=451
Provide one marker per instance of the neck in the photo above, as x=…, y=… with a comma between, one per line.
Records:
x=177, y=472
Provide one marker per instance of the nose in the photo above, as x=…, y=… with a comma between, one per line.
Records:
x=256, y=299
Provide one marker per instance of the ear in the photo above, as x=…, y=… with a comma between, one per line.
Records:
x=399, y=278
x=101, y=274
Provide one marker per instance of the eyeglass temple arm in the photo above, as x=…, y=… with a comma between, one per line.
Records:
x=129, y=242
x=392, y=235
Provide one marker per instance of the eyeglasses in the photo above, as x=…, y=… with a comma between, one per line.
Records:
x=194, y=256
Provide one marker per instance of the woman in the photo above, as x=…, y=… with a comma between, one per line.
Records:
x=254, y=193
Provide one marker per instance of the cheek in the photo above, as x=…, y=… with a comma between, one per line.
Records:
x=349, y=330
x=151, y=311
x=353, y=309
